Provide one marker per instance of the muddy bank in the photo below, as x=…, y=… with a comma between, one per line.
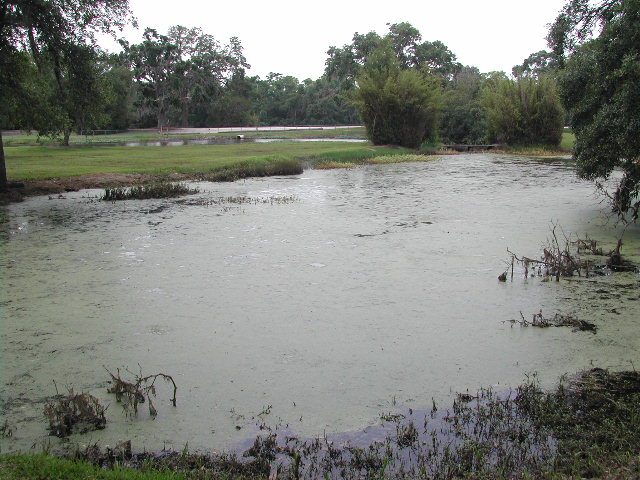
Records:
x=18, y=191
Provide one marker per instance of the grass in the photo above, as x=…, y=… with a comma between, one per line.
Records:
x=587, y=427
x=40, y=467
x=335, y=161
x=568, y=140
x=564, y=149
x=40, y=163
x=147, y=190
x=271, y=166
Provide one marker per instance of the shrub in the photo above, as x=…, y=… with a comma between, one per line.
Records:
x=398, y=107
x=524, y=112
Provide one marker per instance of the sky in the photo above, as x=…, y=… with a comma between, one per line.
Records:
x=292, y=37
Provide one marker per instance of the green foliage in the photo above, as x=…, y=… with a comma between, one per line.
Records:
x=398, y=106
x=523, y=112
x=537, y=64
x=601, y=87
x=182, y=72
x=406, y=42
x=463, y=117
x=31, y=467
x=271, y=166
x=148, y=190
x=52, y=31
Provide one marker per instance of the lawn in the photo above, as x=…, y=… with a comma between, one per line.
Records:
x=40, y=163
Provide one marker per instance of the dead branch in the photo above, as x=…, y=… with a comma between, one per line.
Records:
x=130, y=394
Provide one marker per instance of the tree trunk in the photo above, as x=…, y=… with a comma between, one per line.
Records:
x=4, y=185
x=67, y=135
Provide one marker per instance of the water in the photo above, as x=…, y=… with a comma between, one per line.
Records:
x=216, y=141
x=336, y=296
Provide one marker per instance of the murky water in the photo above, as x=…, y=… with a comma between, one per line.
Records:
x=215, y=141
x=333, y=296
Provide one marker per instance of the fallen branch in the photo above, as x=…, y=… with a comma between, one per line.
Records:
x=130, y=394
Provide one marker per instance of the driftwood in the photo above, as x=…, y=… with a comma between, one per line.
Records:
x=558, y=320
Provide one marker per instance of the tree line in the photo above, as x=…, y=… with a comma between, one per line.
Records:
x=187, y=78
x=56, y=80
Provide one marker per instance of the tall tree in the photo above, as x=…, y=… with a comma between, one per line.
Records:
x=398, y=106
x=183, y=70
x=50, y=26
x=600, y=84
x=406, y=43
x=463, y=117
x=537, y=64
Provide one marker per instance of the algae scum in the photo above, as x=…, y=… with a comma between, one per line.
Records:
x=314, y=302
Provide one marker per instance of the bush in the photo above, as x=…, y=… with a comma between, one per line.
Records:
x=524, y=112
x=398, y=107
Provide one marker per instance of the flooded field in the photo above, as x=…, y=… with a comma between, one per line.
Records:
x=216, y=141
x=316, y=301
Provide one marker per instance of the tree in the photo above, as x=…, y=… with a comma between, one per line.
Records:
x=406, y=43
x=51, y=27
x=524, y=112
x=182, y=71
x=463, y=117
x=537, y=64
x=398, y=106
x=76, y=95
x=600, y=85
x=153, y=63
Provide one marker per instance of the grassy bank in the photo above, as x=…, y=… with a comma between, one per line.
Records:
x=32, y=467
x=588, y=427
x=41, y=163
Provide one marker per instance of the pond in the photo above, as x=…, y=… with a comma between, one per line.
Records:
x=316, y=301
x=214, y=141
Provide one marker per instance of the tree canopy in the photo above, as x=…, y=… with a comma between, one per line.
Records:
x=600, y=84
x=406, y=42
x=53, y=32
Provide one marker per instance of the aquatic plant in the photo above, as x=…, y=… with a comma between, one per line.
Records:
x=147, y=191
x=567, y=258
x=587, y=427
x=74, y=413
x=558, y=320
x=331, y=162
x=275, y=165
x=141, y=389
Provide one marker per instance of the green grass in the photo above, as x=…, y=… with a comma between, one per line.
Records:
x=347, y=162
x=148, y=190
x=568, y=140
x=41, y=467
x=41, y=163
x=587, y=427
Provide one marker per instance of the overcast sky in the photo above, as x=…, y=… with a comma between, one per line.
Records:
x=292, y=37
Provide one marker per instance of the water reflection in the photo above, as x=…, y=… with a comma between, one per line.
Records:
x=215, y=141
x=376, y=282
